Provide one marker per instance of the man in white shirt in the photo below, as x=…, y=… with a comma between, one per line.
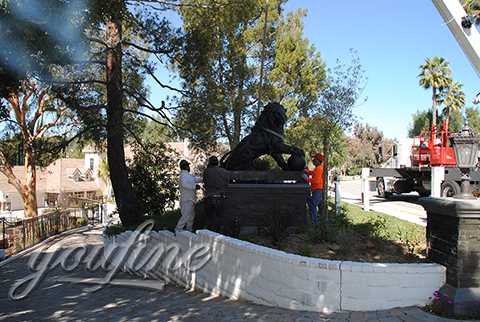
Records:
x=187, y=184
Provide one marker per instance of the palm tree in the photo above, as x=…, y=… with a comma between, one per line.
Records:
x=435, y=74
x=453, y=99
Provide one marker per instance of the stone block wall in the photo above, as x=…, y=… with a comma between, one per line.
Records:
x=455, y=242
x=253, y=203
x=242, y=270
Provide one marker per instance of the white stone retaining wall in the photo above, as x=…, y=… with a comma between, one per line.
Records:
x=239, y=269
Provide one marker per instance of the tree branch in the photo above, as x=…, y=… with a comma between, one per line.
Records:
x=41, y=130
x=146, y=115
x=7, y=170
x=40, y=109
x=91, y=81
x=136, y=138
x=148, y=50
x=97, y=40
x=155, y=78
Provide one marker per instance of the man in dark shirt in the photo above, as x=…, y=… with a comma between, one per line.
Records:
x=215, y=181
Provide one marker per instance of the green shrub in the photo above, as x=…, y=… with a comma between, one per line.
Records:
x=305, y=250
x=167, y=221
x=153, y=175
x=275, y=225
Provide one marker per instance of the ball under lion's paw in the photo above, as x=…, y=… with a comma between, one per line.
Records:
x=296, y=162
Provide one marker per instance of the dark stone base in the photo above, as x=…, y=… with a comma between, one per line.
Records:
x=463, y=301
x=255, y=198
x=252, y=204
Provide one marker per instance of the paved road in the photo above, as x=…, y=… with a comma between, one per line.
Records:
x=53, y=300
x=405, y=206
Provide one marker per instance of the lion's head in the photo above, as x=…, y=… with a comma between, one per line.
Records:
x=273, y=117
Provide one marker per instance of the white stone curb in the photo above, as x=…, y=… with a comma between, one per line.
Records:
x=243, y=270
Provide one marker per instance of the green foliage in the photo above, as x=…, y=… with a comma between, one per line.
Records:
x=435, y=73
x=306, y=250
x=233, y=61
x=305, y=134
x=386, y=227
x=341, y=228
x=167, y=220
x=366, y=148
x=298, y=75
x=442, y=305
x=345, y=84
x=453, y=97
x=152, y=173
x=473, y=117
x=421, y=121
x=275, y=225
x=455, y=122
x=156, y=132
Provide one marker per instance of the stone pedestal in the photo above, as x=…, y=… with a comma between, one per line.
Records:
x=453, y=240
x=252, y=203
x=253, y=197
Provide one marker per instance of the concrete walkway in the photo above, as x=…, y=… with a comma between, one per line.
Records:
x=405, y=206
x=52, y=300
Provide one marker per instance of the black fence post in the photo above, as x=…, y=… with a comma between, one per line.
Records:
x=34, y=221
x=23, y=230
x=3, y=234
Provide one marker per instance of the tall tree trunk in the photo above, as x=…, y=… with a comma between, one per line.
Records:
x=447, y=119
x=30, y=186
x=236, y=128
x=434, y=106
x=125, y=198
x=326, y=152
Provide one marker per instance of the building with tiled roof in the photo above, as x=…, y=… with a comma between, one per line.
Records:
x=75, y=179
x=63, y=178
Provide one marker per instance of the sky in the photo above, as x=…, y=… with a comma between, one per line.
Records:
x=392, y=38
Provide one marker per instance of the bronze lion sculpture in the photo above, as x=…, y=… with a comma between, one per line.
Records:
x=266, y=138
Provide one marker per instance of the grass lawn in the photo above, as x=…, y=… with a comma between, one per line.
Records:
x=352, y=235
x=385, y=226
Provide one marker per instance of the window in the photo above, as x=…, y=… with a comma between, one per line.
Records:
x=91, y=163
x=88, y=175
x=80, y=194
x=7, y=206
x=77, y=175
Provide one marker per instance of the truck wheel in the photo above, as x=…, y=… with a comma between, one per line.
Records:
x=450, y=189
x=381, y=189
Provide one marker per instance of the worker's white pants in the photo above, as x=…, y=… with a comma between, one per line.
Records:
x=187, y=208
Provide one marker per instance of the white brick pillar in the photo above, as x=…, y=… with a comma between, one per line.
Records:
x=438, y=175
x=366, y=189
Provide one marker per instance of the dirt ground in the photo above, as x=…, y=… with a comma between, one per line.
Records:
x=355, y=247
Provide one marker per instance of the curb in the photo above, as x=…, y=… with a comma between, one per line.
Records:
x=43, y=242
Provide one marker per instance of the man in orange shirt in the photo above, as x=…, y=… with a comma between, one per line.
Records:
x=316, y=180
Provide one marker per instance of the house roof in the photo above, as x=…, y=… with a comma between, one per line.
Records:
x=59, y=175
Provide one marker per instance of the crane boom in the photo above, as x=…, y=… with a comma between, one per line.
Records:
x=468, y=38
